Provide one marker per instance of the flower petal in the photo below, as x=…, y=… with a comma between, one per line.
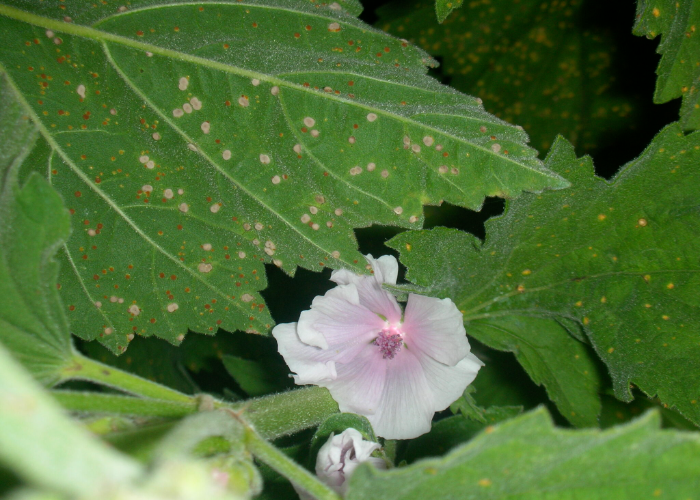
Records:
x=369, y=288
x=386, y=268
x=406, y=406
x=435, y=326
x=338, y=318
x=447, y=383
x=312, y=365
x=359, y=384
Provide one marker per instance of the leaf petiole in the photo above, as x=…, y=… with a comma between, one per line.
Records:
x=84, y=368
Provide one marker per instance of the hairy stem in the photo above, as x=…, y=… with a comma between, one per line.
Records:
x=277, y=460
x=272, y=416
x=288, y=412
x=84, y=368
x=94, y=402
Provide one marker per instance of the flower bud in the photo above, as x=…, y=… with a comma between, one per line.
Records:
x=340, y=456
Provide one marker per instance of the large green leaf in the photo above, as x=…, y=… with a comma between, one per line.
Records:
x=536, y=64
x=679, y=70
x=196, y=142
x=33, y=224
x=527, y=458
x=618, y=258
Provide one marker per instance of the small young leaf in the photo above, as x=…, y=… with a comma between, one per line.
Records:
x=528, y=458
x=679, y=70
x=195, y=142
x=33, y=225
x=619, y=257
x=468, y=407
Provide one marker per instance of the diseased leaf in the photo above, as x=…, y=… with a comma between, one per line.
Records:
x=33, y=225
x=196, y=142
x=679, y=70
x=619, y=257
x=444, y=8
x=540, y=65
x=544, y=348
x=528, y=458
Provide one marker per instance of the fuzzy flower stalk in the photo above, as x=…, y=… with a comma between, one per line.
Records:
x=397, y=369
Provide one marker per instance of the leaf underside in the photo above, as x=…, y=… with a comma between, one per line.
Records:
x=618, y=259
x=679, y=69
x=527, y=458
x=195, y=142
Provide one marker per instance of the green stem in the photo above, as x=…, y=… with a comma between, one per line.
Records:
x=272, y=416
x=288, y=412
x=123, y=405
x=285, y=466
x=83, y=368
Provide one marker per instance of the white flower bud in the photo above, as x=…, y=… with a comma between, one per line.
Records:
x=340, y=456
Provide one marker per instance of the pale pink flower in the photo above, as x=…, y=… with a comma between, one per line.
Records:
x=340, y=455
x=396, y=371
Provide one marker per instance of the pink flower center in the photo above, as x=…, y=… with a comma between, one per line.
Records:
x=389, y=342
